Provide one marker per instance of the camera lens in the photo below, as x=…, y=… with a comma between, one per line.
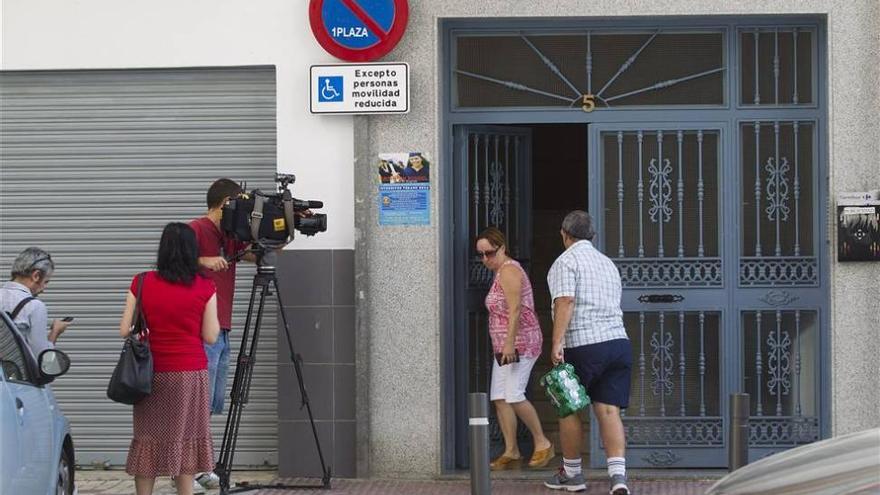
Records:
x=311, y=225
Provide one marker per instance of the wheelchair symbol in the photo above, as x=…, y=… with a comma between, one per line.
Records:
x=329, y=92
x=330, y=88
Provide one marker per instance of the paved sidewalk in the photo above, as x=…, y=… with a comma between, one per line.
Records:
x=118, y=483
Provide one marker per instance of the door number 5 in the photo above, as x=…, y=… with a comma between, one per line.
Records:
x=589, y=103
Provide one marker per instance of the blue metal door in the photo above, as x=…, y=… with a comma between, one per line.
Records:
x=494, y=162
x=658, y=199
x=707, y=180
x=712, y=232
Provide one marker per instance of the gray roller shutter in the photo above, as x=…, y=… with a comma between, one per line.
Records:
x=94, y=164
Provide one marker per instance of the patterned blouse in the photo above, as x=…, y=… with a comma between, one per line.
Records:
x=528, y=338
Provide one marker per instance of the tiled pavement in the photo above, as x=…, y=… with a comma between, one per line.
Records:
x=118, y=483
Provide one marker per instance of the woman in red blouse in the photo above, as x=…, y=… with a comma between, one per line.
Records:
x=172, y=435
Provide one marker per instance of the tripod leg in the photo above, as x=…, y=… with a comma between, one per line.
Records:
x=297, y=360
x=241, y=384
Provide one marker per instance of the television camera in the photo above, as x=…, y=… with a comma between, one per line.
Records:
x=270, y=220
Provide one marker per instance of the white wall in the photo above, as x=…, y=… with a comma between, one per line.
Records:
x=110, y=34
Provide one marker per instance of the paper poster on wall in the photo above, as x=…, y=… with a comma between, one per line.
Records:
x=404, y=189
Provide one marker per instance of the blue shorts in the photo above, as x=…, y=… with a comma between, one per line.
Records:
x=604, y=369
x=218, y=368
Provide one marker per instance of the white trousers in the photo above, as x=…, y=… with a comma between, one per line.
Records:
x=509, y=382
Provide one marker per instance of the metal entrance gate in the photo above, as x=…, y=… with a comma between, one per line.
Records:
x=707, y=183
x=709, y=312
x=495, y=166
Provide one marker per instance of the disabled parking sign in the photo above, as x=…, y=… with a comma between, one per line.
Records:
x=359, y=88
x=331, y=89
x=358, y=30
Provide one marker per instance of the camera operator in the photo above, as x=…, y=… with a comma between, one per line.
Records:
x=31, y=272
x=268, y=221
x=217, y=253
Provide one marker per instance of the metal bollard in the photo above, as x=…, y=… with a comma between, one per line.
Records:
x=738, y=434
x=478, y=412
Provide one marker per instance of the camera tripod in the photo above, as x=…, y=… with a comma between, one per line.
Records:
x=264, y=281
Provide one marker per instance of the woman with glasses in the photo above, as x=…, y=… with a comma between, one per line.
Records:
x=516, y=341
x=31, y=272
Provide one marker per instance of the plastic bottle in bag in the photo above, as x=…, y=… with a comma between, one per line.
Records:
x=564, y=389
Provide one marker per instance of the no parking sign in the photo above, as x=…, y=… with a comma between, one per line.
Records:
x=358, y=30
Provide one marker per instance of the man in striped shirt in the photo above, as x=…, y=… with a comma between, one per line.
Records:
x=588, y=333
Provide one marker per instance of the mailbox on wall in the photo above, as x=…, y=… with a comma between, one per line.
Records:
x=858, y=226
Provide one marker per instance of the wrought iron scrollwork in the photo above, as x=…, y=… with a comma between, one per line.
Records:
x=799, y=271
x=645, y=272
x=778, y=298
x=777, y=189
x=661, y=363
x=479, y=275
x=660, y=190
x=662, y=458
x=783, y=430
x=779, y=363
x=496, y=187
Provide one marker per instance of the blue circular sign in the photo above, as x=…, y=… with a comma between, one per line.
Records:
x=349, y=30
x=358, y=30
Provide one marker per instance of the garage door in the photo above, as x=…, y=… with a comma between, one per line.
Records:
x=94, y=164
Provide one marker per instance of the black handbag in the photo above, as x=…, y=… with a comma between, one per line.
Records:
x=132, y=379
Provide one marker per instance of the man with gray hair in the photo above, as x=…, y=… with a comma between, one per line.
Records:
x=588, y=333
x=31, y=272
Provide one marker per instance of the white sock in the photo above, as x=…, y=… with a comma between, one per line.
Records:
x=572, y=466
x=616, y=465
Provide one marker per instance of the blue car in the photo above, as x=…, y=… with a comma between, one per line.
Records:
x=36, y=449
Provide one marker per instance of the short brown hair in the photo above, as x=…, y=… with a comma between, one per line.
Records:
x=220, y=190
x=494, y=236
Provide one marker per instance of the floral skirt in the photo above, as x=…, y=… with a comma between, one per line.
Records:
x=172, y=427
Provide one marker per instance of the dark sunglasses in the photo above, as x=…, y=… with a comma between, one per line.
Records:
x=486, y=254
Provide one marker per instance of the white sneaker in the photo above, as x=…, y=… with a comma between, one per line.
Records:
x=197, y=488
x=208, y=480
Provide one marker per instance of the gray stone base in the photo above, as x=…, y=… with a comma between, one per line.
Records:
x=317, y=288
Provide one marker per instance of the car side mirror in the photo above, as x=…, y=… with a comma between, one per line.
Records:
x=53, y=363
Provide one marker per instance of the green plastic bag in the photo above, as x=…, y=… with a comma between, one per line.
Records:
x=564, y=390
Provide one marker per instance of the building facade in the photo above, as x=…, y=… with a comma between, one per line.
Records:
x=709, y=140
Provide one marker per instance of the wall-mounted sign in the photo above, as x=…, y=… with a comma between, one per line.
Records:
x=858, y=226
x=404, y=189
x=354, y=89
x=358, y=30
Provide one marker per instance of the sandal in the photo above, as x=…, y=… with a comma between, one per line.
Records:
x=541, y=457
x=501, y=462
